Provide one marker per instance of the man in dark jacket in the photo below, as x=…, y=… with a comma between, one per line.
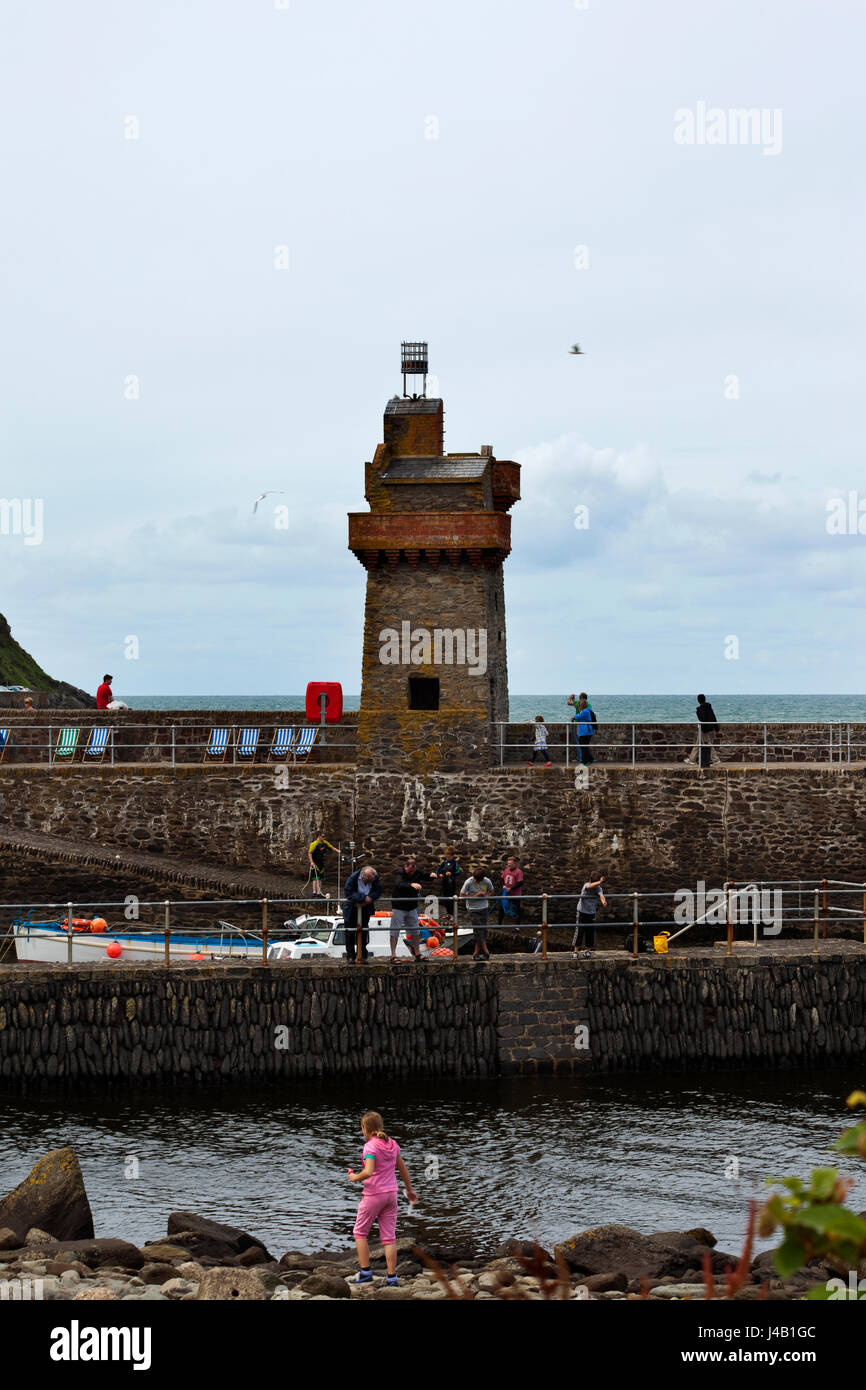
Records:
x=709, y=728
x=362, y=888
x=404, y=908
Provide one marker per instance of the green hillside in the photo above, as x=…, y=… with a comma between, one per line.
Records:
x=18, y=667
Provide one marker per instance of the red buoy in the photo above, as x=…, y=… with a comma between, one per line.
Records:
x=114, y=950
x=332, y=692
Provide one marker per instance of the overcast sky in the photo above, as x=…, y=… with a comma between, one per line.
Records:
x=433, y=171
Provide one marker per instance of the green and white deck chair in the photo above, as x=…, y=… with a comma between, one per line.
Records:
x=67, y=742
x=247, y=744
x=4, y=742
x=98, y=742
x=306, y=740
x=283, y=743
x=217, y=745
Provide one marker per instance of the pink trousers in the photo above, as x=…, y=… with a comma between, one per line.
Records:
x=381, y=1207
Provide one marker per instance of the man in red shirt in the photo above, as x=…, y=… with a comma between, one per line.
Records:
x=104, y=696
x=511, y=901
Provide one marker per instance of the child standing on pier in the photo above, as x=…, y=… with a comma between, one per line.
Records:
x=382, y=1163
x=540, y=743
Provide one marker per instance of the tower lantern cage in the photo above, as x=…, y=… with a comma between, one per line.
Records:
x=413, y=362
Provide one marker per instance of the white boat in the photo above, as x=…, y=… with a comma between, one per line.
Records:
x=47, y=941
x=326, y=936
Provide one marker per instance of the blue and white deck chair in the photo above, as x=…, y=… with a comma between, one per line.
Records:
x=4, y=742
x=306, y=740
x=248, y=742
x=217, y=745
x=283, y=743
x=98, y=741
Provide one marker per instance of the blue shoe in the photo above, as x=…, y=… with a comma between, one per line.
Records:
x=364, y=1276
x=391, y=1279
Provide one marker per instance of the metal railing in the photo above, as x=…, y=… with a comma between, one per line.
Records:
x=155, y=930
x=834, y=742
x=100, y=744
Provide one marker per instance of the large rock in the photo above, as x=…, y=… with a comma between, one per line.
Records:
x=52, y=1198
x=103, y=1251
x=620, y=1250
x=8, y=1239
x=230, y=1285
x=329, y=1285
x=200, y=1236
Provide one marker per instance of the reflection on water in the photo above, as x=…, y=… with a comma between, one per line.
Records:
x=532, y=1158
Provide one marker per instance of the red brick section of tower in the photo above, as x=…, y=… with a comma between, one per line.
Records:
x=435, y=677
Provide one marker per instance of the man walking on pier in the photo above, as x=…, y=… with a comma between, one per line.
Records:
x=708, y=731
x=362, y=889
x=476, y=891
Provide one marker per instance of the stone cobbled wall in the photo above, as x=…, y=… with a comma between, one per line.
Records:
x=210, y=1025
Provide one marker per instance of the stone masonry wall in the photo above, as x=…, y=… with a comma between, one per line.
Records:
x=646, y=829
x=260, y=818
x=216, y=1024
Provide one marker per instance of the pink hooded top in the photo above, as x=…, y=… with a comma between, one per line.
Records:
x=385, y=1152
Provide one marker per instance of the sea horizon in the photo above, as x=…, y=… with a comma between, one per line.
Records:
x=610, y=708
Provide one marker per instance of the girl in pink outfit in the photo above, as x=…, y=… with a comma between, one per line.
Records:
x=382, y=1163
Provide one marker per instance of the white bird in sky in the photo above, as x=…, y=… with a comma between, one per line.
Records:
x=274, y=492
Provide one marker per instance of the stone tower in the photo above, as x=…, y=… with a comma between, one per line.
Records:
x=434, y=677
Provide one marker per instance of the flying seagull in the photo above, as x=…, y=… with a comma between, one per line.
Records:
x=274, y=492
x=577, y=349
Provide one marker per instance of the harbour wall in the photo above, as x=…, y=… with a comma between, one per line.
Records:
x=648, y=829
x=211, y=1025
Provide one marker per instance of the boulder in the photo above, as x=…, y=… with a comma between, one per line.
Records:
x=293, y=1261
x=605, y=1283
x=39, y=1240
x=158, y=1273
x=620, y=1250
x=8, y=1239
x=51, y=1198
x=230, y=1284
x=253, y=1255
x=701, y=1236
x=521, y=1249
x=102, y=1251
x=162, y=1252
x=327, y=1284
x=201, y=1236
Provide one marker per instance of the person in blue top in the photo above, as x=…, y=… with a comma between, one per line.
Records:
x=586, y=724
x=362, y=887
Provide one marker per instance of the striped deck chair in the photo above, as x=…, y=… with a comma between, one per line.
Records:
x=67, y=742
x=4, y=742
x=306, y=740
x=97, y=743
x=217, y=745
x=247, y=743
x=283, y=743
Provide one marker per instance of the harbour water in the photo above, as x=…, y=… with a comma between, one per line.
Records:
x=533, y=1158
x=611, y=709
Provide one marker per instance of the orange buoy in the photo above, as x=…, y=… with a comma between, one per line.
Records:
x=197, y=956
x=114, y=950
x=98, y=924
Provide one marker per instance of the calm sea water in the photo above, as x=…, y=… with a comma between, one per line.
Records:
x=529, y=1158
x=611, y=709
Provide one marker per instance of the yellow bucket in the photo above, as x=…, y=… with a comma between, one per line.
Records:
x=660, y=943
